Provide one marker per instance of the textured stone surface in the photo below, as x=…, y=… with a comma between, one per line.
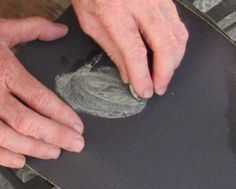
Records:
x=206, y=5
x=232, y=33
x=227, y=21
x=219, y=13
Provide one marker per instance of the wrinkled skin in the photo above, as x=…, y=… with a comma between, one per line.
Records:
x=47, y=125
x=117, y=26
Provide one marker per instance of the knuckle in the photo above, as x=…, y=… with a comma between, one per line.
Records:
x=20, y=123
x=3, y=47
x=137, y=53
x=4, y=135
x=33, y=148
x=168, y=44
x=100, y=7
x=9, y=71
x=37, y=22
x=104, y=5
x=108, y=11
x=60, y=110
x=3, y=67
x=4, y=103
x=140, y=78
x=58, y=138
x=113, y=54
x=40, y=98
x=182, y=33
x=25, y=125
x=9, y=81
x=98, y=2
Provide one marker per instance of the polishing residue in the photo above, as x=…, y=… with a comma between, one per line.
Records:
x=98, y=91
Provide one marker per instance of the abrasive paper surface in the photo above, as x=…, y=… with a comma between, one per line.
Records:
x=183, y=140
x=98, y=91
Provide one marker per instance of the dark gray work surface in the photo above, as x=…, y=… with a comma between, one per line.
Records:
x=184, y=140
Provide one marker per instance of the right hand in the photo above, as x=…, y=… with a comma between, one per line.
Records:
x=121, y=28
x=47, y=124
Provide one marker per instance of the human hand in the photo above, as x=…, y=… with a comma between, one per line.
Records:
x=47, y=124
x=118, y=27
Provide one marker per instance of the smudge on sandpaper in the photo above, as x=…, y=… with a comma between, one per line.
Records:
x=98, y=90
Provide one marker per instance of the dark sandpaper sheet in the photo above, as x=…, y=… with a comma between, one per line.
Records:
x=220, y=14
x=183, y=140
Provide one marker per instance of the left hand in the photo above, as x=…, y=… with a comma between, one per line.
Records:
x=46, y=124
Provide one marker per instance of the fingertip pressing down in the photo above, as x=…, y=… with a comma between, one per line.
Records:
x=161, y=91
x=163, y=72
x=142, y=87
x=161, y=81
x=124, y=32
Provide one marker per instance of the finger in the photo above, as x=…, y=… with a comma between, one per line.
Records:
x=163, y=71
x=17, y=143
x=170, y=13
x=163, y=44
x=124, y=33
x=29, y=123
x=38, y=97
x=11, y=159
x=93, y=27
x=16, y=31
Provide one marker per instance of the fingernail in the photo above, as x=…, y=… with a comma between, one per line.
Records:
x=54, y=152
x=19, y=162
x=161, y=91
x=78, y=127
x=62, y=26
x=148, y=93
x=124, y=79
x=134, y=94
x=76, y=145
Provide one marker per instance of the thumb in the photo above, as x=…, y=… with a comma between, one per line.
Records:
x=15, y=31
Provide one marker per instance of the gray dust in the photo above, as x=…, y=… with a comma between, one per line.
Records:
x=98, y=90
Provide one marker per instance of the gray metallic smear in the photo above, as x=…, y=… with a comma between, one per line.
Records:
x=98, y=91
